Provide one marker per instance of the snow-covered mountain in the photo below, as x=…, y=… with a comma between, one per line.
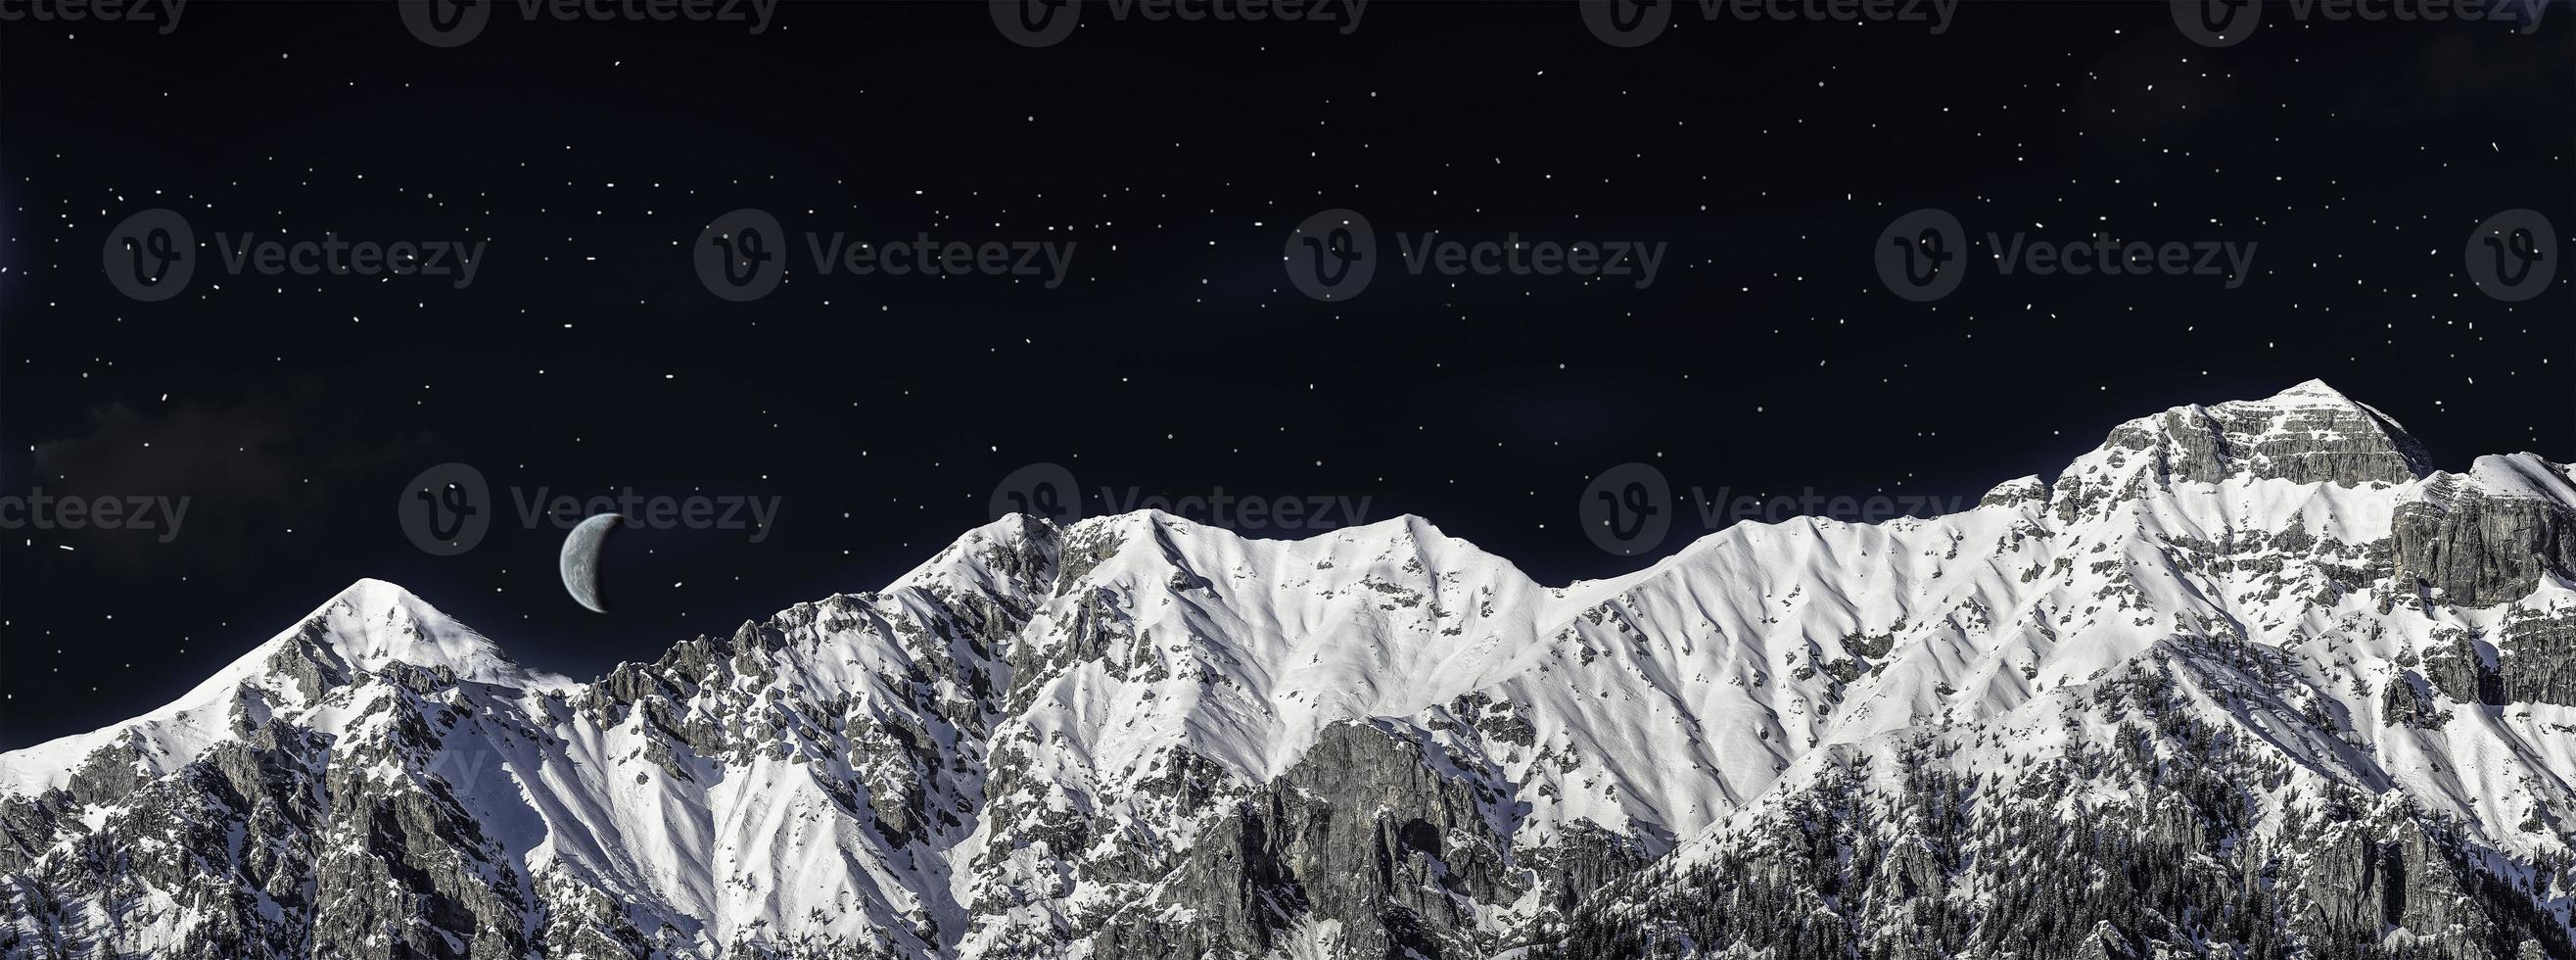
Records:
x=2252, y=679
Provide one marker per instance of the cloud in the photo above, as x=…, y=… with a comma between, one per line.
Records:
x=245, y=473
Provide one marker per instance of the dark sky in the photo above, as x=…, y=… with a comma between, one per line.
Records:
x=1176, y=356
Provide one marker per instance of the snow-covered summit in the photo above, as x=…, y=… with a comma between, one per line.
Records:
x=2522, y=476
x=373, y=623
x=2305, y=434
x=367, y=627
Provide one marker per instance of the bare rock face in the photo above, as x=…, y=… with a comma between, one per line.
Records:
x=240, y=821
x=2361, y=881
x=2026, y=491
x=2307, y=434
x=1394, y=851
x=335, y=839
x=2402, y=703
x=2537, y=663
x=2462, y=668
x=2480, y=539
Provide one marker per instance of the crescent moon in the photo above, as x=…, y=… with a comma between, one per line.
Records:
x=580, y=559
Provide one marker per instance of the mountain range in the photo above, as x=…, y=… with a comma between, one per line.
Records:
x=2251, y=679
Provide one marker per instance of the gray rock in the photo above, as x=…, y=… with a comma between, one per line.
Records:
x=2474, y=550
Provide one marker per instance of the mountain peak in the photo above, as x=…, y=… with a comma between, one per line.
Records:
x=373, y=595
x=2307, y=390
x=374, y=623
x=369, y=625
x=2317, y=395
x=2308, y=433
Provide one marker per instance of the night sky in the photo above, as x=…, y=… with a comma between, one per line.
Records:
x=1177, y=355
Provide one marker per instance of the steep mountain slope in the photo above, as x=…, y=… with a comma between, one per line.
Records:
x=2251, y=677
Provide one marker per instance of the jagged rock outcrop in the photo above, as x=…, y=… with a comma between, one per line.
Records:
x=2026, y=491
x=2487, y=537
x=2464, y=669
x=2537, y=661
x=2360, y=880
x=1364, y=837
x=2307, y=434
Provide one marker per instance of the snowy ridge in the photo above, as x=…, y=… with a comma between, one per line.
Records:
x=367, y=626
x=1141, y=736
